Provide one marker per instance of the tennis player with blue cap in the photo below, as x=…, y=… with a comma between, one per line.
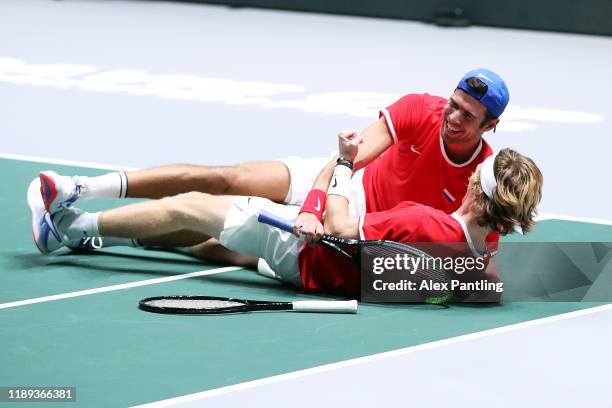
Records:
x=431, y=146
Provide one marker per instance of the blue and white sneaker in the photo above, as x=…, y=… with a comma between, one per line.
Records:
x=45, y=235
x=57, y=191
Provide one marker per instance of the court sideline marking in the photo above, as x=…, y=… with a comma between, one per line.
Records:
x=371, y=358
x=117, y=287
x=19, y=157
x=100, y=166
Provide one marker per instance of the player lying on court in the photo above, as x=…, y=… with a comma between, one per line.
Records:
x=432, y=145
x=503, y=192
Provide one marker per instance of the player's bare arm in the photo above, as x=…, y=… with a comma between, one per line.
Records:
x=306, y=223
x=337, y=220
x=376, y=139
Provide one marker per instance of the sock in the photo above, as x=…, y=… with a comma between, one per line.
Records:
x=76, y=224
x=110, y=185
x=116, y=241
x=264, y=269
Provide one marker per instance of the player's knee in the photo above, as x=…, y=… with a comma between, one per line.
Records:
x=182, y=208
x=213, y=179
x=217, y=179
x=188, y=200
x=232, y=179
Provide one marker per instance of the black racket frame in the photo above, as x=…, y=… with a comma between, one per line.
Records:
x=247, y=305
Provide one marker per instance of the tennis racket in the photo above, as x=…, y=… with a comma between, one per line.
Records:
x=352, y=249
x=221, y=305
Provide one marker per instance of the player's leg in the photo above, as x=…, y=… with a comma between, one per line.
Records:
x=197, y=245
x=288, y=181
x=199, y=212
x=269, y=179
x=176, y=239
x=231, y=220
x=212, y=251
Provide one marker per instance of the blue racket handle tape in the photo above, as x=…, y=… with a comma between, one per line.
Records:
x=274, y=220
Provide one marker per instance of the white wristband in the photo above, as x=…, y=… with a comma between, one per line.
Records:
x=340, y=181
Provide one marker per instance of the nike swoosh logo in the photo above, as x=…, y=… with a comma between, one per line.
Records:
x=318, y=206
x=334, y=182
x=413, y=148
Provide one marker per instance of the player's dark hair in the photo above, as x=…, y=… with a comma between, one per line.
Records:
x=518, y=192
x=488, y=117
x=481, y=88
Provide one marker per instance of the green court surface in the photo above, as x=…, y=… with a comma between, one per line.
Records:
x=117, y=355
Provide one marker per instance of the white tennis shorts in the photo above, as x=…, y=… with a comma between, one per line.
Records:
x=303, y=173
x=243, y=233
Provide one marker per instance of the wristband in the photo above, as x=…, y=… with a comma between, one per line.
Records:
x=340, y=181
x=345, y=162
x=315, y=203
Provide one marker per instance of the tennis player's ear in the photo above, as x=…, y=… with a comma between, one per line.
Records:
x=492, y=124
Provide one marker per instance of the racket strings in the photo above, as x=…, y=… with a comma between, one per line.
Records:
x=186, y=303
x=427, y=269
x=195, y=304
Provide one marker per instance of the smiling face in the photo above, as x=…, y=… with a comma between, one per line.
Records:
x=462, y=119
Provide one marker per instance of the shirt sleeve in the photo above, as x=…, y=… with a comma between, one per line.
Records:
x=396, y=224
x=404, y=116
x=492, y=243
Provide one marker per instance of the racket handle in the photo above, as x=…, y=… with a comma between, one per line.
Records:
x=274, y=220
x=327, y=306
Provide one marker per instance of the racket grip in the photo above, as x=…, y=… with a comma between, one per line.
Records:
x=326, y=306
x=274, y=220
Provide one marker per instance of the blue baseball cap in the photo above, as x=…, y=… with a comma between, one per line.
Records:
x=495, y=98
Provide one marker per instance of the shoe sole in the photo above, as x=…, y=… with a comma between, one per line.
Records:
x=35, y=210
x=48, y=191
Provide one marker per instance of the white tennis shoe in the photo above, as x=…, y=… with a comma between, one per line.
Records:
x=57, y=191
x=45, y=235
x=45, y=232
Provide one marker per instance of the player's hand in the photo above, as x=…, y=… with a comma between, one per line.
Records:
x=348, y=144
x=308, y=226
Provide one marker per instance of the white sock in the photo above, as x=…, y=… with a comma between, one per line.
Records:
x=264, y=269
x=110, y=185
x=77, y=224
x=116, y=241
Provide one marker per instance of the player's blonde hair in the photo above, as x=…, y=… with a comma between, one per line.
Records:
x=514, y=201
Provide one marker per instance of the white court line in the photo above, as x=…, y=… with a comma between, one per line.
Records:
x=543, y=217
x=117, y=287
x=19, y=157
x=367, y=359
x=88, y=165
